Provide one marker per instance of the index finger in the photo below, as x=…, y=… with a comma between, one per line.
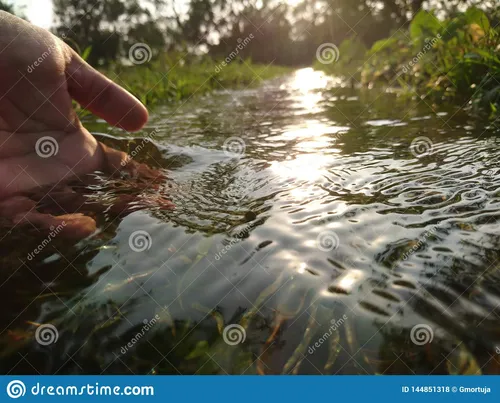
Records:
x=104, y=98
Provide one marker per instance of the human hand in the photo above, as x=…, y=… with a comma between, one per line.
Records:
x=42, y=141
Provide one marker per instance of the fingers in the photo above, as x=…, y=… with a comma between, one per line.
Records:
x=21, y=210
x=73, y=226
x=118, y=161
x=103, y=97
x=57, y=213
x=125, y=204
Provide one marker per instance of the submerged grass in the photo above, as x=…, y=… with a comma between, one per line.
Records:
x=455, y=59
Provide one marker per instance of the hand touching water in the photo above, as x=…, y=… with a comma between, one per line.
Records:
x=42, y=142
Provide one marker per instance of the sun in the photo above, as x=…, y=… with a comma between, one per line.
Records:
x=39, y=12
x=293, y=3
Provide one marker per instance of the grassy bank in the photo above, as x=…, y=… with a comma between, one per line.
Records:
x=172, y=78
x=455, y=59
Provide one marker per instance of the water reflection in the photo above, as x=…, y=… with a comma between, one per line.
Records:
x=327, y=214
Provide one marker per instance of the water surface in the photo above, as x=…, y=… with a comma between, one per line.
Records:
x=318, y=229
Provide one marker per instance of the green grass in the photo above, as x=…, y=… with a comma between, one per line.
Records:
x=452, y=60
x=172, y=78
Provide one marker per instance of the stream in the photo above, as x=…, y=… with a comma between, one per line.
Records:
x=318, y=229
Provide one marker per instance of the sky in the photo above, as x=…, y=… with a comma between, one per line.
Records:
x=39, y=12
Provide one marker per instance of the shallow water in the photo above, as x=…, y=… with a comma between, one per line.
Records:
x=317, y=229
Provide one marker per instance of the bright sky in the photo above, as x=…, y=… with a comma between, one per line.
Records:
x=39, y=12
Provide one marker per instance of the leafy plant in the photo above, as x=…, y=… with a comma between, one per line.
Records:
x=452, y=59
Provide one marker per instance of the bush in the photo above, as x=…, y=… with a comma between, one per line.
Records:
x=456, y=58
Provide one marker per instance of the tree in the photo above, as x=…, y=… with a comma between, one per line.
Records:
x=4, y=6
x=109, y=27
x=9, y=7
